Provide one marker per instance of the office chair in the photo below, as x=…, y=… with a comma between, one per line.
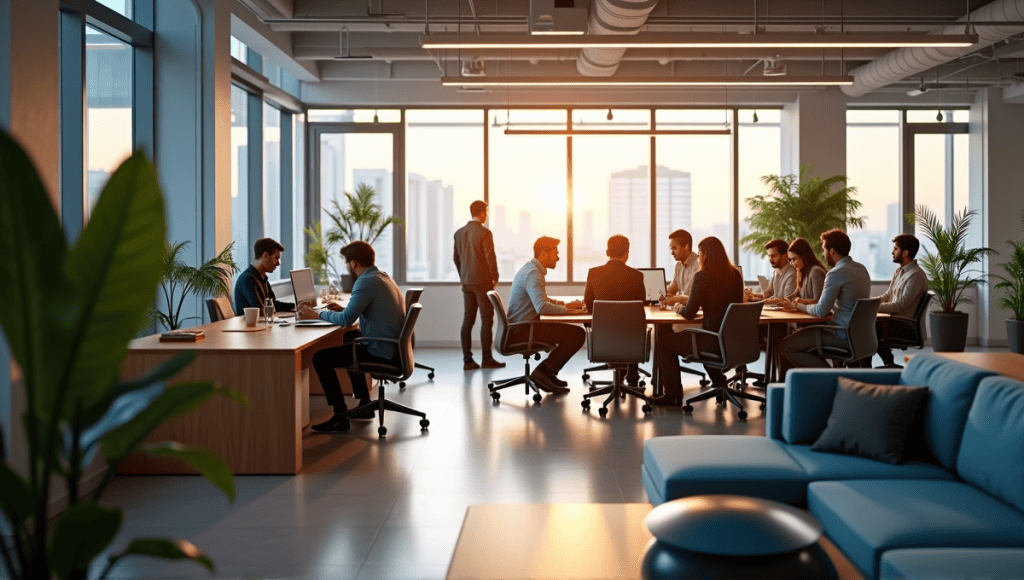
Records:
x=505, y=347
x=918, y=334
x=737, y=347
x=618, y=335
x=861, y=338
x=412, y=296
x=219, y=308
x=399, y=370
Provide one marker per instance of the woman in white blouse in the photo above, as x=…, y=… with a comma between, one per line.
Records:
x=810, y=273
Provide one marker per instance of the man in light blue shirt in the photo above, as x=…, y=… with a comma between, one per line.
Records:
x=845, y=284
x=379, y=307
x=527, y=300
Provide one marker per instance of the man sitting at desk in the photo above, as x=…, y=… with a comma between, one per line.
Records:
x=527, y=300
x=252, y=286
x=907, y=288
x=379, y=307
x=616, y=281
x=783, y=282
x=680, y=244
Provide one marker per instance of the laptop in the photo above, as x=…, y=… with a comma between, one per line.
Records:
x=303, y=288
x=654, y=284
x=765, y=284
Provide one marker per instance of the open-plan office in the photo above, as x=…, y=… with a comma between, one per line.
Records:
x=578, y=120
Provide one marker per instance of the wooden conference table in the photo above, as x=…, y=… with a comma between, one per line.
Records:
x=271, y=367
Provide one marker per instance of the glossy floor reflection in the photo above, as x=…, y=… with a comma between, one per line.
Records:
x=364, y=507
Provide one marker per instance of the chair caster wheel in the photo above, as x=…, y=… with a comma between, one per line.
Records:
x=585, y=404
x=646, y=409
x=424, y=423
x=586, y=377
x=603, y=411
x=742, y=415
x=536, y=356
x=762, y=406
x=490, y=386
x=382, y=430
x=430, y=376
x=719, y=400
x=495, y=395
x=641, y=385
x=536, y=397
x=401, y=385
x=688, y=409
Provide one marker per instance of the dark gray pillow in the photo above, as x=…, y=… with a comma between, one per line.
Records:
x=870, y=420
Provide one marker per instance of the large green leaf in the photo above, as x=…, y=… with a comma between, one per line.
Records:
x=159, y=374
x=116, y=266
x=204, y=461
x=15, y=495
x=83, y=531
x=166, y=549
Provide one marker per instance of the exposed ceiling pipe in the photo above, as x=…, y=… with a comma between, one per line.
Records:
x=905, y=62
x=611, y=17
x=638, y=54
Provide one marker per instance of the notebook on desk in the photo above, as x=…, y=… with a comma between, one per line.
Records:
x=654, y=284
x=303, y=288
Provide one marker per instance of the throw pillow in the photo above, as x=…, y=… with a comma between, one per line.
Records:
x=870, y=420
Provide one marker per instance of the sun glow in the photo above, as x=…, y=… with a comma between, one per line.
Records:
x=553, y=197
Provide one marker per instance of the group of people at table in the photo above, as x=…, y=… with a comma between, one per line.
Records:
x=704, y=282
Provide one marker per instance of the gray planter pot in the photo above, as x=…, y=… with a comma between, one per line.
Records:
x=949, y=331
x=1015, y=335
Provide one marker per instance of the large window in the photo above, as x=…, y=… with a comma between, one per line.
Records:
x=760, y=154
x=272, y=178
x=240, y=174
x=108, y=118
x=445, y=172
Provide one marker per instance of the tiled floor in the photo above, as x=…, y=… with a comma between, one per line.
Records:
x=364, y=507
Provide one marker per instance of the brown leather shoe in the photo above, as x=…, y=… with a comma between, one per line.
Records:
x=544, y=383
x=490, y=363
x=544, y=370
x=470, y=366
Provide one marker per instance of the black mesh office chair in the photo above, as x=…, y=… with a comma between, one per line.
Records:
x=399, y=370
x=861, y=337
x=219, y=308
x=618, y=336
x=917, y=335
x=505, y=347
x=737, y=347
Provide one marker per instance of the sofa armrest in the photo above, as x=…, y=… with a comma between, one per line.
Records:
x=808, y=395
x=774, y=403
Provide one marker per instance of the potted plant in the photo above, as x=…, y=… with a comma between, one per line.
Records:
x=318, y=256
x=76, y=404
x=950, y=273
x=211, y=278
x=362, y=220
x=1013, y=286
x=800, y=206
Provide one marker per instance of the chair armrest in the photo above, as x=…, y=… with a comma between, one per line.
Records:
x=647, y=345
x=530, y=343
x=374, y=339
x=774, y=404
x=808, y=396
x=693, y=332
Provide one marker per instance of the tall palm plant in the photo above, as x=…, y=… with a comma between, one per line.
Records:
x=801, y=206
x=950, y=269
x=363, y=220
x=1013, y=283
x=180, y=280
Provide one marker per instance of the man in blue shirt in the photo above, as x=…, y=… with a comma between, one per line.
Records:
x=252, y=286
x=527, y=300
x=845, y=283
x=379, y=307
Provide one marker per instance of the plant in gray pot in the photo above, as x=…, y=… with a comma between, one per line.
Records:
x=950, y=273
x=1013, y=300
x=362, y=220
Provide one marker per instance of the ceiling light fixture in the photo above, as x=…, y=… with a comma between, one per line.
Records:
x=651, y=132
x=787, y=81
x=697, y=40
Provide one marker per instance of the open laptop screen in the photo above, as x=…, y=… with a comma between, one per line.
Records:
x=302, y=286
x=654, y=283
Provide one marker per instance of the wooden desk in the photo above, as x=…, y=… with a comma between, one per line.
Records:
x=270, y=367
x=576, y=541
x=1008, y=364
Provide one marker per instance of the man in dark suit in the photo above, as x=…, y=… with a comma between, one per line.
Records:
x=615, y=281
x=478, y=271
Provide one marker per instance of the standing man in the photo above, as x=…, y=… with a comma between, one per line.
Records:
x=783, y=282
x=478, y=271
x=252, y=286
x=680, y=244
x=379, y=307
x=907, y=288
x=845, y=284
x=527, y=300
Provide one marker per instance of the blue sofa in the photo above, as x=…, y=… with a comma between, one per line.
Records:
x=960, y=500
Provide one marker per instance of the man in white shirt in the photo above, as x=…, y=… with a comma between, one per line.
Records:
x=783, y=282
x=680, y=245
x=907, y=288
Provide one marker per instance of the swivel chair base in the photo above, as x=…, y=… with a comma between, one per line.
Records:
x=381, y=405
x=594, y=385
x=614, y=390
x=525, y=380
x=727, y=394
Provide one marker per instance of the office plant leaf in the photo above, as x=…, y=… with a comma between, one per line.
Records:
x=950, y=268
x=161, y=548
x=83, y=531
x=202, y=460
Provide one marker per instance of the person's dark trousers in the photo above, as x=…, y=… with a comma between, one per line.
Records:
x=892, y=328
x=670, y=348
x=474, y=297
x=327, y=360
x=569, y=339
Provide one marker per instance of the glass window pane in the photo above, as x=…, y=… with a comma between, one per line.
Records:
x=940, y=176
x=760, y=155
x=272, y=177
x=123, y=7
x=873, y=167
x=355, y=115
x=240, y=175
x=872, y=116
x=442, y=183
x=108, y=120
x=528, y=196
x=932, y=116
x=239, y=50
x=299, y=190
x=694, y=187
x=611, y=189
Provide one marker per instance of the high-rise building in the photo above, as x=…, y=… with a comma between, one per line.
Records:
x=629, y=211
x=429, y=229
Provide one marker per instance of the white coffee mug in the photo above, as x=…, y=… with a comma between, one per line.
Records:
x=251, y=315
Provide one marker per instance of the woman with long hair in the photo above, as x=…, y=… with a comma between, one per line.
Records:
x=716, y=285
x=810, y=273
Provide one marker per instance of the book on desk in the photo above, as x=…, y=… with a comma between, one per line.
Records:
x=183, y=336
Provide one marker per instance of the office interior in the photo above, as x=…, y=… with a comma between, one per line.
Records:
x=258, y=113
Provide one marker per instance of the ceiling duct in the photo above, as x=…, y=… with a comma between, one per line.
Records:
x=906, y=62
x=612, y=17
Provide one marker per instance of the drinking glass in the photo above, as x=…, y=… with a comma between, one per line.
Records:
x=268, y=311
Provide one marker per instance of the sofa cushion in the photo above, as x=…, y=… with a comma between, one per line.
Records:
x=867, y=518
x=831, y=466
x=953, y=564
x=992, y=451
x=809, y=395
x=951, y=386
x=682, y=466
x=870, y=420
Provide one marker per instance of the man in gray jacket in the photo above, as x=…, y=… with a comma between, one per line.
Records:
x=478, y=271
